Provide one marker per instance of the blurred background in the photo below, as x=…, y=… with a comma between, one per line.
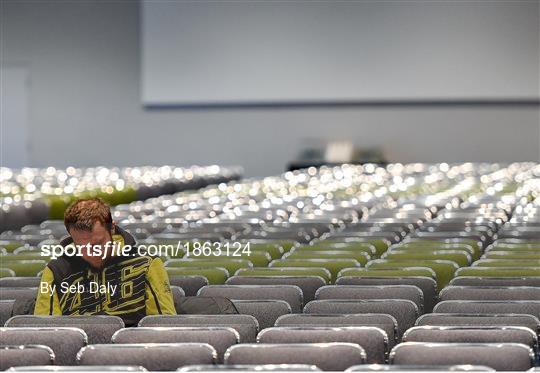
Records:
x=268, y=85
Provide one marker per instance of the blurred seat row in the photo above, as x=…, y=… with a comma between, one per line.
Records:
x=399, y=266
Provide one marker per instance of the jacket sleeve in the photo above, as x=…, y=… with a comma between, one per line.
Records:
x=47, y=303
x=159, y=299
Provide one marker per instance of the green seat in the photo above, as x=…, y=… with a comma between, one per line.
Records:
x=450, y=241
x=467, y=249
x=461, y=258
x=425, y=245
x=445, y=269
x=10, y=246
x=380, y=244
x=274, y=248
x=333, y=265
x=498, y=271
x=364, y=247
x=512, y=255
x=231, y=265
x=215, y=276
x=286, y=271
x=514, y=248
x=507, y=263
x=26, y=250
x=24, y=268
x=275, y=251
x=389, y=272
x=259, y=259
x=517, y=243
x=360, y=256
x=6, y=272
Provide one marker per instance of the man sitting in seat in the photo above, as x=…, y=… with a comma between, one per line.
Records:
x=101, y=279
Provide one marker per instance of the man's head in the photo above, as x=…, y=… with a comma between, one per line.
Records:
x=89, y=222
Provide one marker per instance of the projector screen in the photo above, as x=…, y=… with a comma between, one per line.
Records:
x=259, y=52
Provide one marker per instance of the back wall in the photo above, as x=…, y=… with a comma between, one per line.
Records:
x=84, y=107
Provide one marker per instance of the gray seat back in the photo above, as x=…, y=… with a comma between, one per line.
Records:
x=190, y=284
x=289, y=293
x=529, y=307
x=499, y=356
x=247, y=326
x=408, y=292
x=152, y=356
x=219, y=337
x=64, y=342
x=404, y=311
x=373, y=340
x=472, y=334
x=308, y=284
x=99, y=329
x=265, y=311
x=464, y=319
x=384, y=322
x=427, y=284
x=13, y=356
x=336, y=356
x=490, y=293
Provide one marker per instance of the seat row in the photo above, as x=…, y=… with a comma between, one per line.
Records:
x=328, y=348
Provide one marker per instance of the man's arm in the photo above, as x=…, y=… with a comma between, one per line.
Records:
x=47, y=303
x=159, y=300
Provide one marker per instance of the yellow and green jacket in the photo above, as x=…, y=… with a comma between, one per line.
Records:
x=130, y=287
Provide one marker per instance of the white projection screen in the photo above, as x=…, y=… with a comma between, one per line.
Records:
x=272, y=52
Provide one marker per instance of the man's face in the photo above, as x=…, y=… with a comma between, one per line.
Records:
x=98, y=236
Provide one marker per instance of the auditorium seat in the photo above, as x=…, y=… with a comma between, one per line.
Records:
x=385, y=322
x=308, y=284
x=251, y=368
x=332, y=265
x=360, y=257
x=22, y=268
x=498, y=272
x=64, y=342
x=373, y=340
x=530, y=307
x=473, y=334
x=218, y=337
x=79, y=368
x=6, y=310
x=19, y=282
x=352, y=292
x=190, y=284
x=20, y=294
x=499, y=356
x=427, y=285
x=471, y=319
x=288, y=271
x=445, y=269
x=247, y=326
x=289, y=293
x=265, y=311
x=419, y=368
x=98, y=328
x=404, y=311
x=492, y=281
x=12, y=356
x=336, y=356
x=490, y=293
x=152, y=356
